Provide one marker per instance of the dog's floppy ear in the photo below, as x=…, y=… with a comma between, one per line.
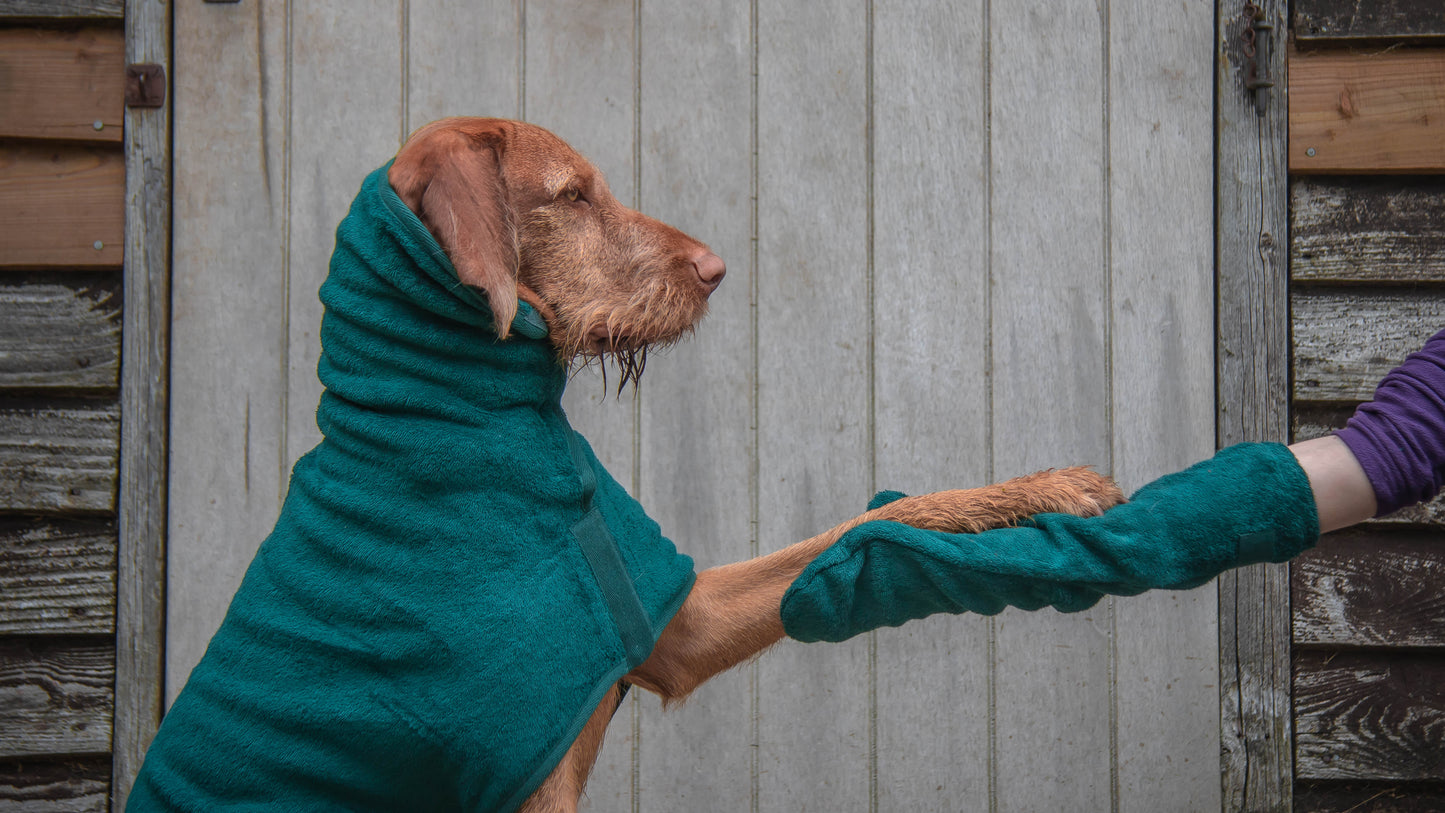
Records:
x=453, y=181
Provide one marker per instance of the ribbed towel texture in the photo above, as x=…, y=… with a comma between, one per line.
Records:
x=454, y=580
x=1249, y=503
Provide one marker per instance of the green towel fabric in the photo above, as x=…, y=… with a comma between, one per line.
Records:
x=1249, y=503
x=454, y=580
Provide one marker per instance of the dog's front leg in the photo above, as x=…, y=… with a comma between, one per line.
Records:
x=732, y=613
x=561, y=791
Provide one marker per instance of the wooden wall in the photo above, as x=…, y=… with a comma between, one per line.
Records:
x=966, y=240
x=61, y=236
x=1368, y=270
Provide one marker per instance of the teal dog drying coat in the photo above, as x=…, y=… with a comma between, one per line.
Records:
x=1249, y=503
x=454, y=581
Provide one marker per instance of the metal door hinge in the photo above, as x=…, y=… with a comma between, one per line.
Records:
x=1258, y=36
x=145, y=85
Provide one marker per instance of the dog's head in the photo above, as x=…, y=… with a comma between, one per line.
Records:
x=522, y=215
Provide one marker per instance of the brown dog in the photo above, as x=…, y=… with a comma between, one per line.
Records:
x=523, y=216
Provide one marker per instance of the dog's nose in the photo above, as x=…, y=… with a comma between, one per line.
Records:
x=710, y=269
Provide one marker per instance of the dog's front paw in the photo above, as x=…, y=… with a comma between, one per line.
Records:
x=1077, y=490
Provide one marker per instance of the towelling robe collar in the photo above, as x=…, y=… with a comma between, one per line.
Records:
x=454, y=581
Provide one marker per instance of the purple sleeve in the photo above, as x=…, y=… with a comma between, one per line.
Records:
x=1399, y=437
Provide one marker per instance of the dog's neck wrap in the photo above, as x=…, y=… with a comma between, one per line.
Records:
x=454, y=580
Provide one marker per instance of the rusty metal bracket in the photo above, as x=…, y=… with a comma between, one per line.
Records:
x=145, y=85
x=1258, y=36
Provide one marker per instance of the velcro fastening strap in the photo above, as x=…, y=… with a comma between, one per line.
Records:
x=612, y=578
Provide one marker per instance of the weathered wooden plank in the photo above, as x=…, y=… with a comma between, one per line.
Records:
x=1368, y=797
x=1345, y=342
x=445, y=58
x=1161, y=180
x=1053, y=711
x=61, y=205
x=1380, y=112
x=1322, y=20
x=1371, y=587
x=581, y=82
x=55, y=695
x=1378, y=715
x=62, y=83
x=57, y=577
x=931, y=413
x=1316, y=420
x=1371, y=230
x=55, y=785
x=144, y=396
x=813, y=436
x=60, y=335
x=228, y=467
x=62, y=9
x=59, y=458
x=696, y=403
x=1252, y=378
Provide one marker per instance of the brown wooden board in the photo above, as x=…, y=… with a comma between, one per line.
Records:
x=1371, y=587
x=56, y=695
x=57, y=576
x=1369, y=715
x=1316, y=420
x=1367, y=113
x=1322, y=20
x=62, y=83
x=1367, y=230
x=70, y=785
x=1368, y=797
x=60, y=333
x=1346, y=341
x=59, y=457
x=62, y=9
x=58, y=202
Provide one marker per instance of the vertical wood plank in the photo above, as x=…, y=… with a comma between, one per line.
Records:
x=580, y=83
x=1252, y=382
x=144, y=391
x=1051, y=385
x=697, y=399
x=813, y=379
x=462, y=59
x=931, y=327
x=344, y=120
x=1162, y=361
x=229, y=321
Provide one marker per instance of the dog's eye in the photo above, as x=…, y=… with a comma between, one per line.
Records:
x=572, y=194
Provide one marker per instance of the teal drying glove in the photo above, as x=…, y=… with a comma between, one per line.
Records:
x=1249, y=503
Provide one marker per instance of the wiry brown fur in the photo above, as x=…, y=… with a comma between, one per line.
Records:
x=610, y=282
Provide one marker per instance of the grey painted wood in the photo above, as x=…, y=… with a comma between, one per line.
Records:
x=75, y=785
x=58, y=334
x=696, y=402
x=144, y=398
x=55, y=696
x=463, y=58
x=814, y=378
x=580, y=79
x=1252, y=375
x=59, y=458
x=1325, y=20
x=1345, y=342
x=931, y=337
x=1053, y=673
x=63, y=9
x=1371, y=587
x=1161, y=365
x=1370, y=715
x=228, y=357
x=57, y=577
x=1369, y=230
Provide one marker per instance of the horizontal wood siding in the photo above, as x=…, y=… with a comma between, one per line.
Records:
x=69, y=785
x=1371, y=587
x=58, y=695
x=1377, y=231
x=1368, y=797
x=60, y=333
x=1346, y=20
x=56, y=576
x=61, y=205
x=1353, y=112
x=62, y=83
x=1345, y=342
x=59, y=458
x=62, y=9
